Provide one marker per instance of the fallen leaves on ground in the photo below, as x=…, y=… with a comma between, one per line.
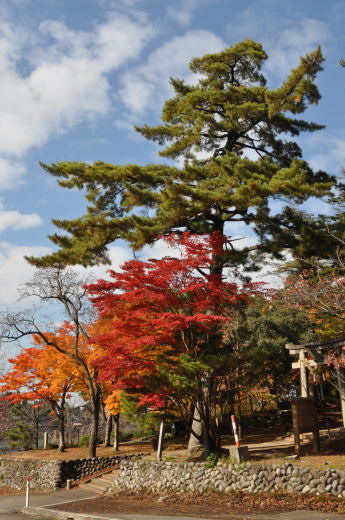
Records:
x=212, y=505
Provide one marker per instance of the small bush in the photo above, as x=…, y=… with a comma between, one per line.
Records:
x=84, y=440
x=125, y=436
x=211, y=461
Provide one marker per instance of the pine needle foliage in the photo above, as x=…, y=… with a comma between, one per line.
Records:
x=234, y=136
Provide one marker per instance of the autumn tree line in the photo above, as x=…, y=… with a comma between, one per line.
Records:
x=184, y=336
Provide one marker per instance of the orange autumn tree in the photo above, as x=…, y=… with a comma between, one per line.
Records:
x=111, y=410
x=83, y=367
x=64, y=289
x=41, y=374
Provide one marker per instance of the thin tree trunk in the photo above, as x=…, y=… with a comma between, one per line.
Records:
x=61, y=418
x=60, y=412
x=239, y=408
x=36, y=432
x=341, y=386
x=107, y=431
x=116, y=432
x=96, y=401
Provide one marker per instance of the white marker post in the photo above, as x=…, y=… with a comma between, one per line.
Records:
x=238, y=452
x=234, y=427
x=160, y=442
x=27, y=492
x=45, y=440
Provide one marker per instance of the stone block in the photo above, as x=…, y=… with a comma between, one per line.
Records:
x=239, y=453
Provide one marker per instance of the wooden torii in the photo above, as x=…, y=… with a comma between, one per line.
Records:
x=315, y=350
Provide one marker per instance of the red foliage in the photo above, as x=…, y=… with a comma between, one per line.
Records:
x=170, y=305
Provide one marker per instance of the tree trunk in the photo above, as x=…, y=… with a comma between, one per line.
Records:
x=195, y=444
x=36, y=434
x=208, y=413
x=107, y=431
x=62, y=446
x=116, y=432
x=239, y=415
x=341, y=386
x=96, y=401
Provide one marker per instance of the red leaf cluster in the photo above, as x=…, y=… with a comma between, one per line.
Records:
x=165, y=306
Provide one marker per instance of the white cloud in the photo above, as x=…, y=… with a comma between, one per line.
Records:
x=117, y=255
x=11, y=173
x=14, y=270
x=284, y=36
x=327, y=152
x=147, y=86
x=120, y=254
x=15, y=220
x=295, y=42
x=183, y=13
x=67, y=79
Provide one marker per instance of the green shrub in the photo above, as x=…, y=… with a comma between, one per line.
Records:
x=211, y=461
x=125, y=436
x=84, y=440
x=20, y=436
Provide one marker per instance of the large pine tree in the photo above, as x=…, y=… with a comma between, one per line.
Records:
x=242, y=131
x=242, y=126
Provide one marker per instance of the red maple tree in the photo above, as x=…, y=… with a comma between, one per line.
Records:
x=171, y=307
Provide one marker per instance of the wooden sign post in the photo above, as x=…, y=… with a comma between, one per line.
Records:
x=303, y=372
x=304, y=420
x=302, y=364
x=317, y=351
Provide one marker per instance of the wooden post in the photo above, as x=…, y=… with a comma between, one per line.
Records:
x=341, y=386
x=297, y=442
x=304, y=420
x=160, y=442
x=316, y=442
x=45, y=440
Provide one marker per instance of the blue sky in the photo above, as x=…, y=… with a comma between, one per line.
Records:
x=76, y=75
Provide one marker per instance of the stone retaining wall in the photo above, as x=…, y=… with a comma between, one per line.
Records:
x=51, y=474
x=190, y=476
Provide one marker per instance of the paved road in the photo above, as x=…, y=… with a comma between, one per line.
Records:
x=10, y=506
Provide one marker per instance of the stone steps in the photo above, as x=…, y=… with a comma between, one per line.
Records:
x=100, y=484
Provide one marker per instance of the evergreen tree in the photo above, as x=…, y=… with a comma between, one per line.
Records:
x=228, y=113
x=20, y=436
x=265, y=328
x=241, y=128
